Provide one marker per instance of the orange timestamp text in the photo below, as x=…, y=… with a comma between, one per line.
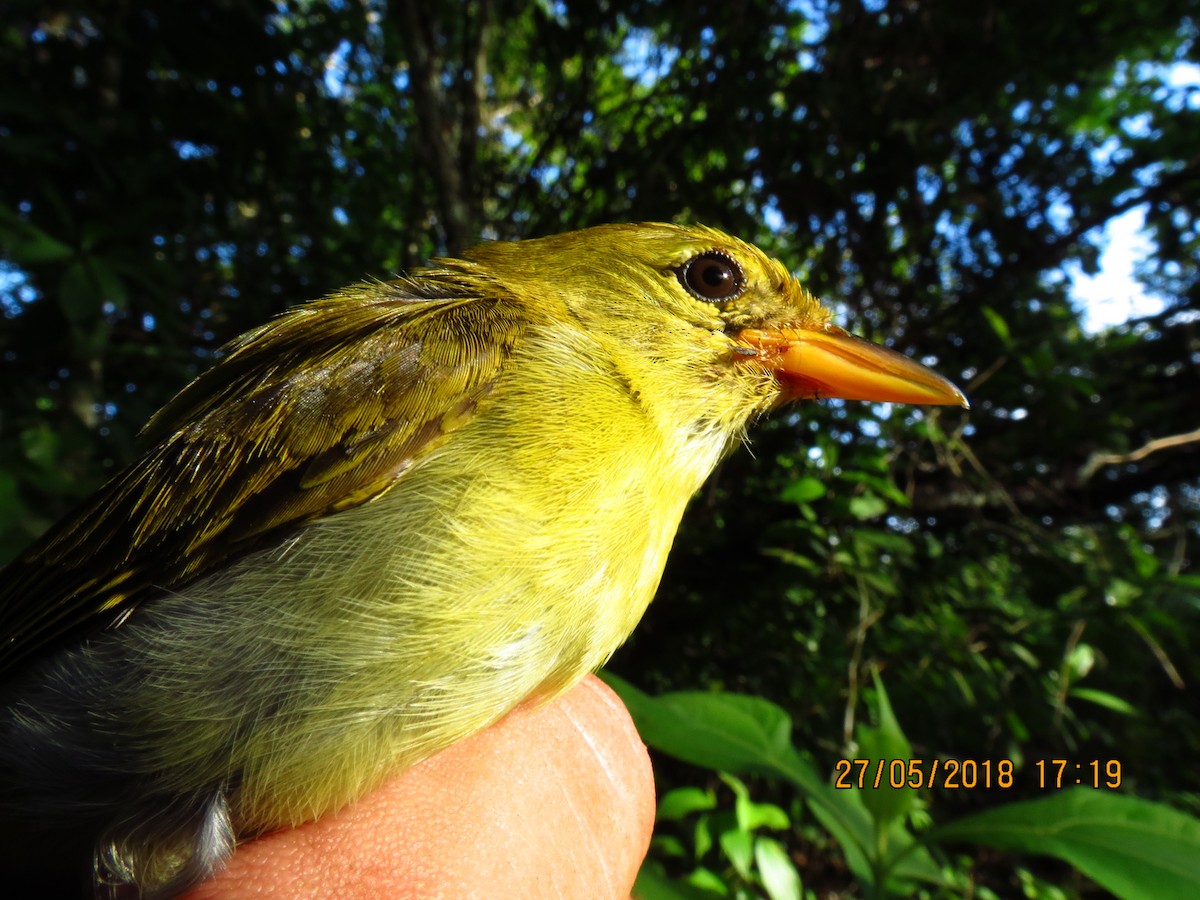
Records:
x=973, y=774
x=949, y=774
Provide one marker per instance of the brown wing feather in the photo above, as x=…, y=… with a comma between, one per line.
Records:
x=319, y=411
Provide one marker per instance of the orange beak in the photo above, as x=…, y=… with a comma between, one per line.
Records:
x=827, y=362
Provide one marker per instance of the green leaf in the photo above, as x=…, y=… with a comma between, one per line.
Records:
x=652, y=884
x=779, y=876
x=1105, y=699
x=1145, y=562
x=792, y=559
x=750, y=815
x=27, y=244
x=684, y=801
x=887, y=746
x=668, y=846
x=1081, y=660
x=804, y=490
x=726, y=732
x=1137, y=849
x=867, y=506
x=880, y=484
x=1120, y=593
x=702, y=837
x=1021, y=652
x=765, y=815
x=900, y=545
x=737, y=733
x=738, y=847
x=40, y=446
x=998, y=325
x=708, y=880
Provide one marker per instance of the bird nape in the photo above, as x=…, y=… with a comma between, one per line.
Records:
x=380, y=522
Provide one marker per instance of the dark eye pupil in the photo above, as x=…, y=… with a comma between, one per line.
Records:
x=714, y=275
x=711, y=276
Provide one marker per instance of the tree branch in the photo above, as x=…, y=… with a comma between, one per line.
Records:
x=1096, y=460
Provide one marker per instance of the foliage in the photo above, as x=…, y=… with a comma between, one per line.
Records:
x=1135, y=848
x=1023, y=574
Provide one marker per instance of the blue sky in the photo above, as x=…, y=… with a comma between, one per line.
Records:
x=1113, y=295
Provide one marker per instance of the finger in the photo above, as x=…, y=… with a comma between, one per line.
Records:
x=553, y=801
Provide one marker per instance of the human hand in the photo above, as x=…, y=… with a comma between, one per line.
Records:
x=553, y=801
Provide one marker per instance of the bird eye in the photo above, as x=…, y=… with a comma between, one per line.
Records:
x=711, y=276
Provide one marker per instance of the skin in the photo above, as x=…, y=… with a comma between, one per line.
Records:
x=382, y=522
x=552, y=801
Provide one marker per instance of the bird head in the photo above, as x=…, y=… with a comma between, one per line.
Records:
x=694, y=298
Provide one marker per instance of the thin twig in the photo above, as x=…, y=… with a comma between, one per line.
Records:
x=1096, y=460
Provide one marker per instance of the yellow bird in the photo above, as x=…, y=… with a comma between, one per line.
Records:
x=382, y=521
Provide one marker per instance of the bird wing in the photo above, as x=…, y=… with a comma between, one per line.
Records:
x=319, y=411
